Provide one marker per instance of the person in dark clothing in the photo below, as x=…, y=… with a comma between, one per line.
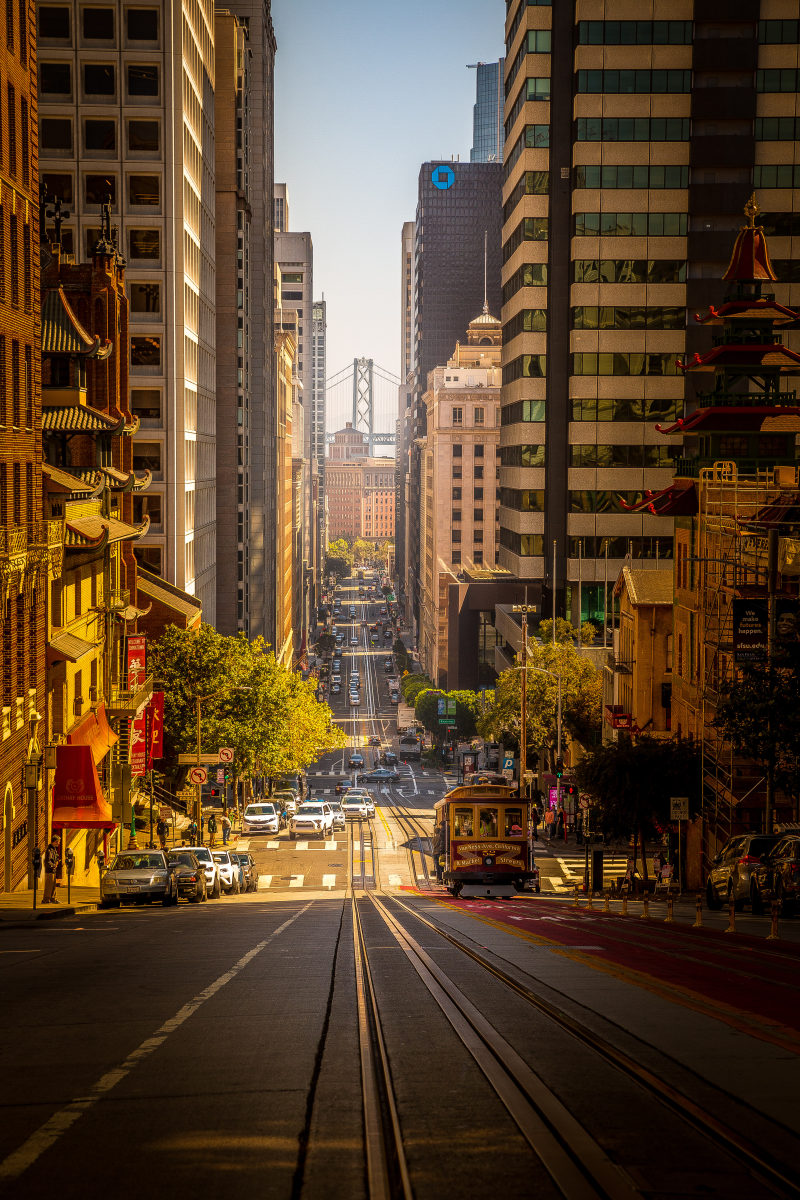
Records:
x=438, y=848
x=162, y=830
x=52, y=861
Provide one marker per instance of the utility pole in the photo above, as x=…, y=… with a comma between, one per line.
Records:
x=523, y=610
x=772, y=581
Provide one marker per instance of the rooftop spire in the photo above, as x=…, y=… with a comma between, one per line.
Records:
x=750, y=258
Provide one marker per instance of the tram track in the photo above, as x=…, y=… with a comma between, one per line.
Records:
x=775, y=1174
x=411, y=824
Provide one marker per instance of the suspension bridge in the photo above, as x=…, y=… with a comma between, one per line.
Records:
x=364, y=394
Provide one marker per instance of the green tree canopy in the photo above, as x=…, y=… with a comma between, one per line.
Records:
x=760, y=715
x=632, y=783
x=341, y=548
x=340, y=567
x=411, y=685
x=580, y=699
x=268, y=714
x=566, y=631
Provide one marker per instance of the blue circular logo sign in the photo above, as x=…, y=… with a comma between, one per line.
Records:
x=443, y=177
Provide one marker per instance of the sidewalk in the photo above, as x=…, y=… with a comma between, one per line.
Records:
x=17, y=907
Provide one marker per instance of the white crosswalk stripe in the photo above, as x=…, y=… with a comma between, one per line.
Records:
x=329, y=881
x=263, y=882
x=273, y=845
x=296, y=881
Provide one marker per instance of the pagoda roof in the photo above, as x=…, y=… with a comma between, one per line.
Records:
x=677, y=500
x=750, y=257
x=762, y=308
x=751, y=357
x=739, y=418
x=116, y=480
x=61, y=480
x=79, y=418
x=95, y=532
x=783, y=512
x=63, y=333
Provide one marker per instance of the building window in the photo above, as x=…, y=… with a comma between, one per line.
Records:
x=640, y=82
x=628, y=317
x=147, y=456
x=144, y=243
x=99, y=79
x=478, y=557
x=144, y=189
x=455, y=557
x=98, y=24
x=143, y=80
x=55, y=78
x=458, y=416
x=644, y=176
x=632, y=129
x=778, y=79
x=634, y=33
x=456, y=516
x=624, y=364
x=100, y=136
x=456, y=493
x=776, y=175
x=149, y=557
x=53, y=23
x=146, y=404
x=59, y=186
x=146, y=352
x=477, y=516
x=526, y=366
x=477, y=493
x=640, y=224
x=145, y=297
x=456, y=536
x=479, y=415
x=98, y=189
x=629, y=270
x=143, y=137
x=142, y=24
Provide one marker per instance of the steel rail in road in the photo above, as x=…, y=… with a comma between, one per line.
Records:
x=780, y=1178
x=411, y=824
x=363, y=860
x=387, y=1170
x=578, y=1165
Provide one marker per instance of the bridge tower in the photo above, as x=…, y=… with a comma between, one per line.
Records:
x=363, y=406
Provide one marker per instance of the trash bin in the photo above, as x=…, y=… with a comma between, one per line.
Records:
x=597, y=870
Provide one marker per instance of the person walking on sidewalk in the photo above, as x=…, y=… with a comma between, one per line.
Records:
x=161, y=830
x=191, y=832
x=438, y=848
x=52, y=862
x=226, y=828
x=212, y=830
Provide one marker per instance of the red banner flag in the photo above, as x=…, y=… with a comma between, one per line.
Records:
x=156, y=728
x=137, y=661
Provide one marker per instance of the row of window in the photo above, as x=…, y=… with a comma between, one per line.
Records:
x=638, y=224
x=522, y=411
x=611, y=455
x=634, y=33
x=532, y=137
x=774, y=32
x=477, y=450
x=528, y=275
x=640, y=81
x=536, y=41
x=520, y=13
x=619, y=547
x=522, y=456
x=777, y=79
x=478, y=415
x=97, y=189
x=776, y=175
x=587, y=501
x=16, y=260
x=526, y=545
x=16, y=386
x=97, y=24
x=777, y=129
x=99, y=136
x=99, y=79
x=530, y=229
x=535, y=88
x=633, y=316
x=477, y=493
x=526, y=366
x=530, y=183
x=21, y=29
x=641, y=176
x=624, y=364
x=606, y=408
x=629, y=270
x=522, y=499
x=632, y=129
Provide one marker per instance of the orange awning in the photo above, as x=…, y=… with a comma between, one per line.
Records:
x=78, y=800
x=94, y=731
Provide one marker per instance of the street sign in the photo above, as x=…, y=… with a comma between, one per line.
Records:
x=225, y=754
x=186, y=760
x=508, y=763
x=165, y=812
x=679, y=808
x=583, y=802
x=529, y=776
x=198, y=775
x=220, y=775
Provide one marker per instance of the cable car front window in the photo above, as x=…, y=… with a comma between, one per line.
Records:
x=513, y=822
x=462, y=822
x=488, y=822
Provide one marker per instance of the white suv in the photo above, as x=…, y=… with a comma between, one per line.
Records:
x=260, y=818
x=228, y=872
x=355, y=806
x=312, y=819
x=366, y=797
x=213, y=881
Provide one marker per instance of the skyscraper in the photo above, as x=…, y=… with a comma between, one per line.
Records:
x=487, y=113
x=121, y=116
x=458, y=221
x=318, y=372
x=630, y=149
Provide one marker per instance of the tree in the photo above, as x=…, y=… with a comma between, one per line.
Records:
x=326, y=643
x=400, y=653
x=341, y=548
x=760, y=715
x=268, y=714
x=412, y=685
x=337, y=566
x=565, y=631
x=632, y=783
x=363, y=551
x=580, y=699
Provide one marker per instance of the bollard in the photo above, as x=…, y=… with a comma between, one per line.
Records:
x=698, y=913
x=624, y=904
x=589, y=899
x=645, y=906
x=731, y=917
x=773, y=935
x=668, y=917
x=575, y=903
x=607, y=903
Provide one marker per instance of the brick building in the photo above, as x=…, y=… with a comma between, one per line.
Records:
x=360, y=491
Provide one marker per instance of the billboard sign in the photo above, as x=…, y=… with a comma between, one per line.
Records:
x=750, y=630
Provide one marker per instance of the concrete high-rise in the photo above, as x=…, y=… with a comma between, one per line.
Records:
x=122, y=114
x=458, y=220
x=405, y=392
x=319, y=319
x=487, y=113
x=631, y=147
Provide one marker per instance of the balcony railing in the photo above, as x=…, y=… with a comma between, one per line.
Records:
x=690, y=468
x=124, y=703
x=14, y=540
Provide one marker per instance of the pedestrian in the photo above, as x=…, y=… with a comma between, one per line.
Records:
x=226, y=828
x=561, y=824
x=191, y=832
x=438, y=848
x=212, y=829
x=52, y=864
x=536, y=817
x=550, y=823
x=161, y=830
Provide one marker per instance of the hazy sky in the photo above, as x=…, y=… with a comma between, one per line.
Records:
x=366, y=91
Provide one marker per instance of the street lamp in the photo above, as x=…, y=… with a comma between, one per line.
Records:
x=524, y=609
x=32, y=767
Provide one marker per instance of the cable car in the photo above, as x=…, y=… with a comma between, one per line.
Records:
x=487, y=850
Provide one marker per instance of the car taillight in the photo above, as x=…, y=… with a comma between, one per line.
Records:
x=193, y=879
x=749, y=860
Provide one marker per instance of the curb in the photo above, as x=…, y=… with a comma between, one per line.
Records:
x=21, y=918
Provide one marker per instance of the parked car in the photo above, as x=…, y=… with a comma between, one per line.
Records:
x=138, y=876
x=250, y=870
x=261, y=818
x=356, y=759
x=190, y=875
x=731, y=872
x=394, y=697
x=337, y=812
x=228, y=872
x=213, y=881
x=312, y=820
x=239, y=866
x=777, y=876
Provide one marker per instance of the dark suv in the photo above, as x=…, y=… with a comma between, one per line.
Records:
x=732, y=875
x=778, y=876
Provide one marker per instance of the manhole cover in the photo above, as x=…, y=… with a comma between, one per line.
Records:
x=335, y=864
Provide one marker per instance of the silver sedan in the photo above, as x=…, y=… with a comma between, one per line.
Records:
x=138, y=876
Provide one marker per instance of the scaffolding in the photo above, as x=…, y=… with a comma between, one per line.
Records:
x=732, y=562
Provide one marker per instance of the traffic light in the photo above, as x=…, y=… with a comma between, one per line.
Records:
x=559, y=767
x=213, y=793
x=570, y=789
